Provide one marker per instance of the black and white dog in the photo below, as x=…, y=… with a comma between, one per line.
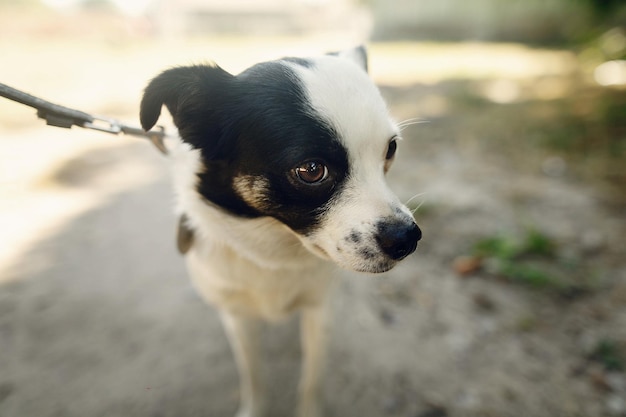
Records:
x=278, y=171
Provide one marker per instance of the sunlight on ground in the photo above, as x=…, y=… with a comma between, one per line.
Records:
x=35, y=206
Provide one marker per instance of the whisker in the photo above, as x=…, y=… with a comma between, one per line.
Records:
x=412, y=119
x=410, y=122
x=417, y=208
x=413, y=122
x=413, y=211
x=414, y=197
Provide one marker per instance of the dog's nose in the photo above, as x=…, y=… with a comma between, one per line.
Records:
x=398, y=239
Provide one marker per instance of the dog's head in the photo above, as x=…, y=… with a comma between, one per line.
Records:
x=305, y=141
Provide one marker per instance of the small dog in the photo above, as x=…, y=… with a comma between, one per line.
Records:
x=279, y=170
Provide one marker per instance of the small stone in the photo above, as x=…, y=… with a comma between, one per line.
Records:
x=387, y=317
x=597, y=376
x=465, y=265
x=6, y=389
x=616, y=381
x=592, y=241
x=393, y=405
x=616, y=405
x=484, y=302
x=554, y=166
x=433, y=411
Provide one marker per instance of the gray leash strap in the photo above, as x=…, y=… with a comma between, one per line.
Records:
x=61, y=116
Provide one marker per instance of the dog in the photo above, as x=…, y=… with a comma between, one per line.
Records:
x=279, y=174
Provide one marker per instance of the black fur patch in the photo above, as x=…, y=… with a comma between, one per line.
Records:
x=258, y=123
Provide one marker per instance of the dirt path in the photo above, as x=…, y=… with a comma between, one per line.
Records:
x=97, y=317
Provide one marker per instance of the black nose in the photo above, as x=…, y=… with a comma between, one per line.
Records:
x=398, y=239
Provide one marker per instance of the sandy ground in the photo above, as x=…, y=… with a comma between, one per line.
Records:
x=97, y=317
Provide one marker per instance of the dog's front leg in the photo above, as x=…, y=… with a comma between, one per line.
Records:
x=243, y=336
x=313, y=328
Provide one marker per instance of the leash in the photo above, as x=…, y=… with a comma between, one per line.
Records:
x=61, y=116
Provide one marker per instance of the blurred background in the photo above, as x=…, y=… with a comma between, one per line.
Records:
x=514, y=304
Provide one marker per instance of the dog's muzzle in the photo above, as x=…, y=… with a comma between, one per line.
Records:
x=398, y=238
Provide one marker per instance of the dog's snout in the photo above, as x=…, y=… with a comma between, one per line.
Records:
x=398, y=239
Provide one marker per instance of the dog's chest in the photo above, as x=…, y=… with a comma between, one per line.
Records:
x=229, y=281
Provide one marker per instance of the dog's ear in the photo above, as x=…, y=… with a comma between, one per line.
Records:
x=185, y=91
x=357, y=55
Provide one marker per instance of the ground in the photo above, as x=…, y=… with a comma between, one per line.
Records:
x=513, y=305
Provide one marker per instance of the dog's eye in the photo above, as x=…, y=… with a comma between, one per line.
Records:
x=312, y=172
x=391, y=149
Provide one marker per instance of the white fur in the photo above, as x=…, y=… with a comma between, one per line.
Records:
x=249, y=269
x=347, y=99
x=252, y=268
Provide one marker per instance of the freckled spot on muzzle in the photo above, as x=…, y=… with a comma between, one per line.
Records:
x=367, y=253
x=354, y=236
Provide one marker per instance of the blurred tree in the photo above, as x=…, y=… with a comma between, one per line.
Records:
x=533, y=21
x=604, y=8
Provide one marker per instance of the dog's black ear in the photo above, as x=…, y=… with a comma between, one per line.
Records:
x=357, y=55
x=183, y=90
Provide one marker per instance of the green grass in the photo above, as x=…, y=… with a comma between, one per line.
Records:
x=610, y=354
x=530, y=275
x=526, y=261
x=533, y=260
x=538, y=243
